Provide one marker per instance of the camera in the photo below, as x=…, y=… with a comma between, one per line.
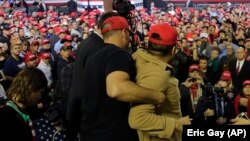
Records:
x=193, y=79
x=243, y=115
x=211, y=90
x=123, y=7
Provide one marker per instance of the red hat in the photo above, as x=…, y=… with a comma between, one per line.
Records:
x=226, y=75
x=21, y=26
x=35, y=23
x=57, y=29
x=19, y=13
x=61, y=31
x=1, y=13
x=40, y=26
x=168, y=34
x=45, y=55
x=43, y=30
x=92, y=13
x=40, y=14
x=246, y=82
x=12, y=26
x=194, y=67
x=34, y=43
x=84, y=12
x=66, y=38
x=6, y=5
x=191, y=10
x=73, y=14
x=116, y=23
x=29, y=57
x=45, y=41
x=31, y=19
x=51, y=19
x=49, y=27
x=189, y=37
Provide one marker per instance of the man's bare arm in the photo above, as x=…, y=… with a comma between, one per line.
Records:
x=119, y=86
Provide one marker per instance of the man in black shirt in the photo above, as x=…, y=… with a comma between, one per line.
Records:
x=109, y=88
x=106, y=87
x=85, y=49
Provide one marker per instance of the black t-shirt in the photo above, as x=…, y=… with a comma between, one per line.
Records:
x=106, y=119
x=13, y=66
x=2, y=63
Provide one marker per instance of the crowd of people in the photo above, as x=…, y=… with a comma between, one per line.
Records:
x=76, y=76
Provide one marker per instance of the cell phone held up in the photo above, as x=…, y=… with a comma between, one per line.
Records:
x=243, y=115
x=193, y=79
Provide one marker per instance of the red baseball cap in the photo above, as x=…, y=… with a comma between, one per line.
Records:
x=34, y=43
x=116, y=23
x=226, y=75
x=1, y=13
x=45, y=41
x=35, y=23
x=29, y=57
x=189, y=37
x=45, y=55
x=194, y=67
x=168, y=34
x=43, y=30
x=73, y=14
x=61, y=31
x=66, y=38
x=246, y=82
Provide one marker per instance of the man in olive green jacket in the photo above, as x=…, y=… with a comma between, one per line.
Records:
x=158, y=122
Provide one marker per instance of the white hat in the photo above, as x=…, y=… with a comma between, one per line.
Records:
x=203, y=35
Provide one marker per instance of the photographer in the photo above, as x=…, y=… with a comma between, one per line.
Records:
x=191, y=91
x=215, y=107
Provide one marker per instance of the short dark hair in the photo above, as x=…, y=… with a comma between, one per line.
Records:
x=222, y=31
x=216, y=49
x=205, y=27
x=184, y=38
x=104, y=16
x=202, y=57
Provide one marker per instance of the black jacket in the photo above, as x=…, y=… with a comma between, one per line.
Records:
x=87, y=47
x=186, y=103
x=210, y=102
x=243, y=75
x=72, y=5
